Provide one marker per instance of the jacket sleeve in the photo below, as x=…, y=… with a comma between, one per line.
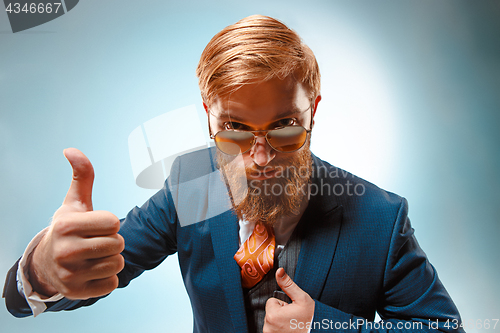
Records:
x=413, y=298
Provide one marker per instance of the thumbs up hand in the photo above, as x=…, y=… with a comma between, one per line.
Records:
x=79, y=256
x=283, y=317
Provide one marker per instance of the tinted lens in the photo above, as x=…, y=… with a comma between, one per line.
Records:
x=233, y=142
x=287, y=139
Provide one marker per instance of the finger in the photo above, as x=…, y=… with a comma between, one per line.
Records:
x=103, y=286
x=80, y=190
x=96, y=269
x=101, y=247
x=87, y=224
x=289, y=287
x=273, y=304
x=94, y=288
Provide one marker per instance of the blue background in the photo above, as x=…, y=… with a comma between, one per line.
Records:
x=411, y=102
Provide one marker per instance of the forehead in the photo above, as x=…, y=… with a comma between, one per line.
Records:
x=263, y=102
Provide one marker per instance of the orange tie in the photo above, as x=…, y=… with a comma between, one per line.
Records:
x=256, y=255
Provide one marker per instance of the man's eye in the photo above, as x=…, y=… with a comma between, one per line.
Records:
x=233, y=126
x=287, y=122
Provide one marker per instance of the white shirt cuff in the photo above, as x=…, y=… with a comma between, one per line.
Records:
x=35, y=301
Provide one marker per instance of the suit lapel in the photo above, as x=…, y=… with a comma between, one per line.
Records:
x=319, y=230
x=225, y=241
x=224, y=232
x=319, y=234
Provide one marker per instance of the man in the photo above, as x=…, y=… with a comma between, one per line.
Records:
x=304, y=247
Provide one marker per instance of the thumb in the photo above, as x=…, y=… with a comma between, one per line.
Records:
x=80, y=190
x=286, y=284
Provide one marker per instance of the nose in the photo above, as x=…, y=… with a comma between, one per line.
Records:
x=262, y=153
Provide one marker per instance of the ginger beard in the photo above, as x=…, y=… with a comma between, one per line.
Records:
x=269, y=199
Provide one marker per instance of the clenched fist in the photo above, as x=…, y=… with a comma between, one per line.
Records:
x=79, y=256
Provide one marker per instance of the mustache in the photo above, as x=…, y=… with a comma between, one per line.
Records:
x=271, y=166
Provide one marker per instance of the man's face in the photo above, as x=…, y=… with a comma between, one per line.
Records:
x=275, y=180
x=262, y=106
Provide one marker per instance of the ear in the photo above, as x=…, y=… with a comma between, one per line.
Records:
x=208, y=118
x=316, y=102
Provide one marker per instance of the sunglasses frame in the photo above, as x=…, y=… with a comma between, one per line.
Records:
x=212, y=136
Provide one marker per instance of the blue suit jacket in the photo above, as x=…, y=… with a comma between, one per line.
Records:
x=358, y=255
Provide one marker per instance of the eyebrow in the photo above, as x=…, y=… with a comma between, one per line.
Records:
x=225, y=114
